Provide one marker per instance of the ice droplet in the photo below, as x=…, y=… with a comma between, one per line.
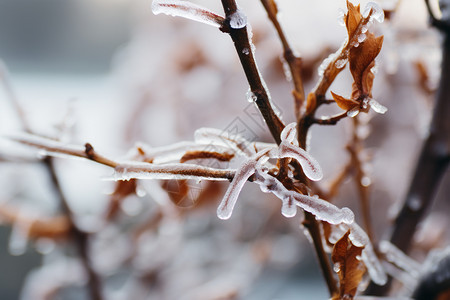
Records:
x=246, y=51
x=353, y=112
x=377, y=13
x=44, y=245
x=340, y=63
x=326, y=62
x=188, y=10
x=337, y=267
x=286, y=69
x=288, y=208
x=251, y=97
x=18, y=239
x=309, y=164
x=377, y=107
x=361, y=37
x=225, y=208
x=366, y=181
x=355, y=44
x=414, y=203
x=364, y=29
x=238, y=20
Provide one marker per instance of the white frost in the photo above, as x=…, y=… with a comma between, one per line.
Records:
x=188, y=10
x=340, y=63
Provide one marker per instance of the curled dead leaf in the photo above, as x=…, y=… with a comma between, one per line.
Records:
x=348, y=266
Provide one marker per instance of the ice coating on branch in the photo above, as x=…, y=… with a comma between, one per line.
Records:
x=188, y=10
x=340, y=63
x=341, y=16
x=289, y=133
x=359, y=238
x=373, y=265
x=397, y=257
x=238, y=19
x=135, y=170
x=286, y=69
x=377, y=107
x=377, y=12
x=239, y=144
x=225, y=208
x=362, y=37
x=321, y=209
x=309, y=164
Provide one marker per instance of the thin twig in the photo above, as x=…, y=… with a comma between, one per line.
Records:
x=294, y=62
x=333, y=120
x=244, y=50
x=188, y=170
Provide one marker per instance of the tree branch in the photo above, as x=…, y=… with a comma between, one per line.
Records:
x=243, y=47
x=294, y=62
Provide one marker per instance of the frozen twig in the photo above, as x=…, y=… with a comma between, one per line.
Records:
x=293, y=61
x=243, y=45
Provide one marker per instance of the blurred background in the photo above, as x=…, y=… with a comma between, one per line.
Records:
x=111, y=73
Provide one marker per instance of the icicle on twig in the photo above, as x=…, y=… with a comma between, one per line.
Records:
x=188, y=10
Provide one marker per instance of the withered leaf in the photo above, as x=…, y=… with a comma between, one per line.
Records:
x=349, y=268
x=345, y=104
x=361, y=60
x=352, y=19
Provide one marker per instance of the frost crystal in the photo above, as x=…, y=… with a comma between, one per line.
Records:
x=377, y=13
x=238, y=20
x=188, y=10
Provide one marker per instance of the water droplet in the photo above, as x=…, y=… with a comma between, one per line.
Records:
x=246, y=51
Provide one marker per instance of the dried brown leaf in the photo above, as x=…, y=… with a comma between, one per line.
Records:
x=352, y=18
x=345, y=256
x=361, y=61
x=345, y=104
